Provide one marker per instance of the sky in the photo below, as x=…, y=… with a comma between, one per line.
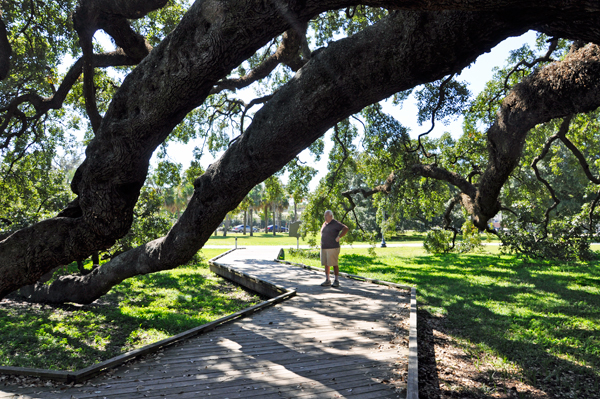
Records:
x=476, y=76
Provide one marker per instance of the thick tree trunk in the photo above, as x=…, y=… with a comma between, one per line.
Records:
x=251, y=222
x=274, y=221
x=245, y=221
x=178, y=74
x=226, y=225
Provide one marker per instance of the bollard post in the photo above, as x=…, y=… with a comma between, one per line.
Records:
x=235, y=242
x=297, y=242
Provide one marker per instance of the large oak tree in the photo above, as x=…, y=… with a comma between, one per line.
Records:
x=416, y=43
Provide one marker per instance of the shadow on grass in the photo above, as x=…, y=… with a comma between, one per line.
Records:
x=136, y=312
x=544, y=316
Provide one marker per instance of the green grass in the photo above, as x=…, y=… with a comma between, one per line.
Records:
x=539, y=321
x=135, y=313
x=283, y=239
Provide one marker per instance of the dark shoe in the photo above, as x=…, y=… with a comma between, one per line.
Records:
x=336, y=283
x=326, y=283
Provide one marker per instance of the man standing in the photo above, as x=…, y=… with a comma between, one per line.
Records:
x=331, y=232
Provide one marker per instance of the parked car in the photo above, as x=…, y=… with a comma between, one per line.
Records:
x=240, y=228
x=280, y=229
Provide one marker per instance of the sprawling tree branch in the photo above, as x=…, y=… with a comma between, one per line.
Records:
x=5, y=50
x=298, y=114
x=288, y=53
x=560, y=89
x=440, y=103
x=545, y=58
x=438, y=173
x=579, y=155
x=43, y=104
x=384, y=188
x=178, y=75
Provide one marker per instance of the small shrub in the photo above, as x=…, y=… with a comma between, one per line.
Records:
x=471, y=239
x=562, y=242
x=438, y=241
x=305, y=253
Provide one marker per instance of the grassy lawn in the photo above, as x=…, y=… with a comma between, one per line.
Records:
x=283, y=239
x=137, y=312
x=539, y=322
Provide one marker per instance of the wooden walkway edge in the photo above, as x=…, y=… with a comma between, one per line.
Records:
x=277, y=294
x=354, y=341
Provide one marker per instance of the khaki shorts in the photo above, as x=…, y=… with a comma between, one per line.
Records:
x=329, y=257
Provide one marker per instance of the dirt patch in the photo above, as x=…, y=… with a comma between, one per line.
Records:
x=446, y=371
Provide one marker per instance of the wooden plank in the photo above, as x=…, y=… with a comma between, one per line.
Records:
x=235, y=382
x=284, y=380
x=93, y=370
x=57, y=375
x=96, y=369
x=254, y=368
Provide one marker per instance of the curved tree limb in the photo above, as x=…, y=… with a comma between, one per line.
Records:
x=110, y=15
x=579, y=155
x=295, y=117
x=438, y=173
x=5, y=50
x=547, y=57
x=288, y=53
x=43, y=104
x=190, y=61
x=560, y=89
x=384, y=188
x=441, y=99
x=555, y=91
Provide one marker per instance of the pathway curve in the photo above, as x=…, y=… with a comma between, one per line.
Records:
x=349, y=342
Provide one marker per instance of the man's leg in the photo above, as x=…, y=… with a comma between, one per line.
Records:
x=327, y=272
x=327, y=281
x=336, y=268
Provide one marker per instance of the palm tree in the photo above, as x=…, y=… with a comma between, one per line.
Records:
x=275, y=193
x=254, y=196
x=281, y=206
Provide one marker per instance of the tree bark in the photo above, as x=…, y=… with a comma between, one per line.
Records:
x=245, y=221
x=178, y=75
x=251, y=222
x=5, y=51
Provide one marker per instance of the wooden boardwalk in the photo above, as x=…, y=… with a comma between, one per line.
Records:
x=349, y=342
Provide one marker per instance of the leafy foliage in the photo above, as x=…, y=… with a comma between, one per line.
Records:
x=438, y=241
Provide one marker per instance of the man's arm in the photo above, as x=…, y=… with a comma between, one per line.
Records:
x=344, y=231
